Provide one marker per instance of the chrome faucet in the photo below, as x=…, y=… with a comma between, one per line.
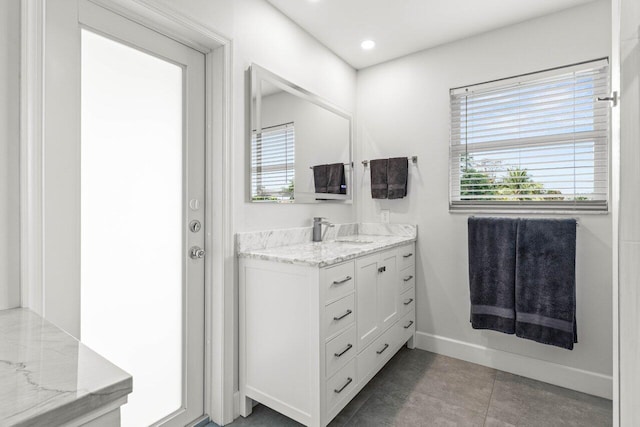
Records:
x=317, y=228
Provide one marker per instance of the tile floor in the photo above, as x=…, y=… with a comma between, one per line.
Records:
x=418, y=388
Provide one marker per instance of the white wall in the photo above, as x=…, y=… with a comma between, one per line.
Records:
x=263, y=35
x=9, y=153
x=403, y=109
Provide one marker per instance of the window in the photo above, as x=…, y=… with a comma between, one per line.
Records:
x=537, y=141
x=273, y=163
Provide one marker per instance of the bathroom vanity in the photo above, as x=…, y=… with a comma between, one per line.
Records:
x=319, y=320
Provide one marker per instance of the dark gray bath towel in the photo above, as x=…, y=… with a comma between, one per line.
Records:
x=397, y=176
x=336, y=181
x=546, y=281
x=492, y=268
x=379, y=186
x=320, y=178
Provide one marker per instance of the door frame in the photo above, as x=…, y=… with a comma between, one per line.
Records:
x=219, y=264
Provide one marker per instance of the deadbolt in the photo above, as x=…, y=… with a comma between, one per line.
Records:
x=196, y=252
x=195, y=226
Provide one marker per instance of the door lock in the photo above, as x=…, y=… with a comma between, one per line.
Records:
x=196, y=252
x=195, y=226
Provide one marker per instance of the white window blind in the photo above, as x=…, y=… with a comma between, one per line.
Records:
x=538, y=141
x=273, y=163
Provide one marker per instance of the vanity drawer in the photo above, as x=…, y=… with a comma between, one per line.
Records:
x=407, y=302
x=339, y=315
x=341, y=385
x=406, y=326
x=338, y=280
x=340, y=350
x=374, y=356
x=407, y=256
x=407, y=279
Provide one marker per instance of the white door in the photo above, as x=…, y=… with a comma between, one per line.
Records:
x=142, y=210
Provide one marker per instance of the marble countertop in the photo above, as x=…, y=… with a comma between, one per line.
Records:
x=47, y=377
x=322, y=254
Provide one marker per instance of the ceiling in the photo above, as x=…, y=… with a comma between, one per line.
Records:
x=400, y=27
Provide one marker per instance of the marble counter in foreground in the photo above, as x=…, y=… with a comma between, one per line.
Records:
x=47, y=377
x=361, y=240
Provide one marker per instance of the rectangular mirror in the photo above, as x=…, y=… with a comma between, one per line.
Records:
x=299, y=145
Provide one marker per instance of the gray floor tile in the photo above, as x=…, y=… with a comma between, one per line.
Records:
x=418, y=388
x=492, y=422
x=416, y=410
x=524, y=402
x=453, y=381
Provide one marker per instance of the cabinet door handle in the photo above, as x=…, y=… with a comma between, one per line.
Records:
x=382, y=269
x=386, y=346
x=339, y=282
x=409, y=301
x=409, y=324
x=407, y=255
x=347, y=348
x=339, y=390
x=348, y=312
x=406, y=279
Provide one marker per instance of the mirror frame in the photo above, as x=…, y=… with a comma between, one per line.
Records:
x=258, y=74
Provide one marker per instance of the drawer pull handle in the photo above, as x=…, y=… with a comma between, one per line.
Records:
x=382, y=269
x=386, y=346
x=406, y=279
x=409, y=301
x=407, y=255
x=409, y=325
x=347, y=348
x=339, y=390
x=348, y=312
x=340, y=282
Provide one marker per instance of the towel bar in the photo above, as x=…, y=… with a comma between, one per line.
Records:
x=414, y=160
x=576, y=219
x=346, y=164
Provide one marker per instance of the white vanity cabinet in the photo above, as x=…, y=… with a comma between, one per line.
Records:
x=311, y=337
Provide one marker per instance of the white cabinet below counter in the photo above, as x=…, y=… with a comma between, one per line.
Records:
x=311, y=337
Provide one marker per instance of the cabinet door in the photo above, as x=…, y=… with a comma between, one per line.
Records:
x=367, y=300
x=388, y=289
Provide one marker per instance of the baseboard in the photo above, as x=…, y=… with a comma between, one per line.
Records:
x=564, y=376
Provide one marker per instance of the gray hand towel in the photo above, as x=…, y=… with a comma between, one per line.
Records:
x=397, y=176
x=379, y=186
x=546, y=281
x=335, y=179
x=492, y=268
x=320, y=178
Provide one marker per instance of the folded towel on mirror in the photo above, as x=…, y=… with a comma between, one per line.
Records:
x=379, y=187
x=546, y=281
x=397, y=176
x=320, y=178
x=336, y=179
x=492, y=269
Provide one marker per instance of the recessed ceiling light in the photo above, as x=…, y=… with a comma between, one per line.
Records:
x=368, y=44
